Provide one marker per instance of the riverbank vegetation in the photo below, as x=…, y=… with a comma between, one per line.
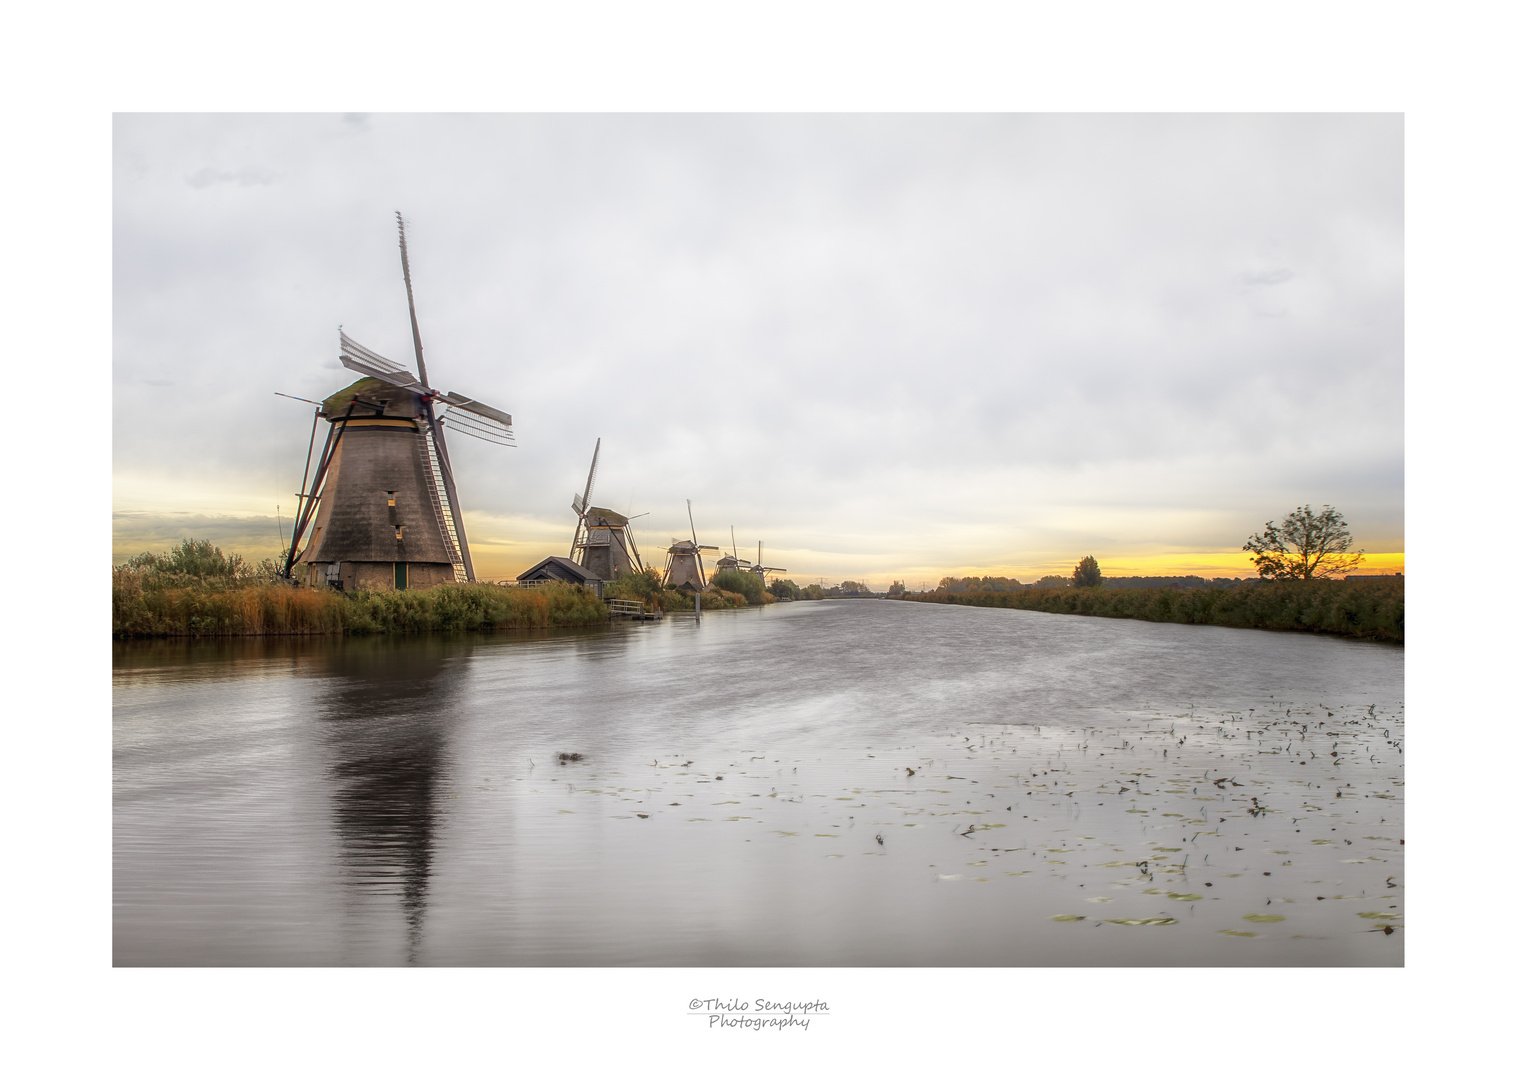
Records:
x=197, y=591
x=1372, y=610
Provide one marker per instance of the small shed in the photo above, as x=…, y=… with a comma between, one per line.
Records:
x=558, y=568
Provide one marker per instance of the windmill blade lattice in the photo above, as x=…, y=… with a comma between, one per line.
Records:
x=355, y=357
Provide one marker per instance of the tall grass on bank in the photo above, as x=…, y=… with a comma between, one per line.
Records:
x=1372, y=610
x=143, y=605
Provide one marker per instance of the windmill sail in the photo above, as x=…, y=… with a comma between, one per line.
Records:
x=478, y=419
x=355, y=357
x=441, y=469
x=442, y=506
x=581, y=505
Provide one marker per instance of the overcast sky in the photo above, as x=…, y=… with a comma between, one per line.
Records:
x=888, y=346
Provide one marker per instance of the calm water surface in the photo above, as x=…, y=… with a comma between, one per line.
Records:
x=743, y=795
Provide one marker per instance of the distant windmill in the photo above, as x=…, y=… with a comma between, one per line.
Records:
x=760, y=569
x=732, y=562
x=382, y=510
x=683, y=568
x=603, y=541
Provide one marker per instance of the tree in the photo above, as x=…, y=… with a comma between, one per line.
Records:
x=1088, y=573
x=1050, y=581
x=1306, y=545
x=897, y=588
x=749, y=586
x=784, y=588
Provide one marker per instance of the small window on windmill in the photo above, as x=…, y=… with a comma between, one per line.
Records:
x=391, y=496
x=397, y=532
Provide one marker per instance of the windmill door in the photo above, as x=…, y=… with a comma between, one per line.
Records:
x=400, y=575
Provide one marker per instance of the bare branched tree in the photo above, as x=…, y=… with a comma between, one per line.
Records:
x=1306, y=545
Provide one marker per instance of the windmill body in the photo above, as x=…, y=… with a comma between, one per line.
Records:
x=608, y=549
x=377, y=524
x=683, y=568
x=381, y=510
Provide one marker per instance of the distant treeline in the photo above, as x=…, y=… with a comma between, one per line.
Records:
x=1053, y=581
x=1373, y=610
x=196, y=591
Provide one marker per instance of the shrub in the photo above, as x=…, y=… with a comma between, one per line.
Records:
x=749, y=586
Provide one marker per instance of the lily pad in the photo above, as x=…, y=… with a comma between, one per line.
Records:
x=1187, y=897
x=1264, y=918
x=1066, y=918
x=1144, y=922
x=1378, y=915
x=1238, y=933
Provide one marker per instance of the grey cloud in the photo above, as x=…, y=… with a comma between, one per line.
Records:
x=245, y=177
x=1267, y=277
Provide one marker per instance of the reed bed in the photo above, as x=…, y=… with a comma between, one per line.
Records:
x=1371, y=610
x=150, y=605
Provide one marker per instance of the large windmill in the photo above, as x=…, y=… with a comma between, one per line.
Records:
x=603, y=542
x=683, y=569
x=382, y=510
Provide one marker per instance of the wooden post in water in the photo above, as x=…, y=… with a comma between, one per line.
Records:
x=697, y=607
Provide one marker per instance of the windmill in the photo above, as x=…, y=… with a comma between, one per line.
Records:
x=683, y=569
x=760, y=569
x=603, y=541
x=382, y=510
x=732, y=562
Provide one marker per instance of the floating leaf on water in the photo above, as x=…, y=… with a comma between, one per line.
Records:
x=1378, y=915
x=697, y=819
x=1144, y=922
x=782, y=832
x=1017, y=873
x=980, y=863
x=1264, y=918
x=1098, y=899
x=832, y=856
x=1167, y=849
x=1185, y=896
x=1324, y=841
x=1174, y=815
x=1066, y=918
x=833, y=835
x=1238, y=933
x=1153, y=892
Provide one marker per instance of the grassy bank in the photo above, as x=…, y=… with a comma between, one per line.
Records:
x=143, y=605
x=1372, y=610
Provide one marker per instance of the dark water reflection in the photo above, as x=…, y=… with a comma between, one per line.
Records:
x=383, y=718
x=743, y=796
